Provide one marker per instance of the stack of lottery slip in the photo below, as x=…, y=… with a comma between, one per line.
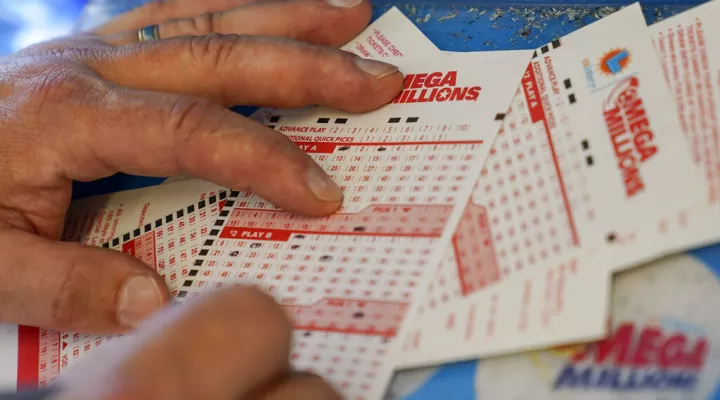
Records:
x=606, y=160
x=485, y=228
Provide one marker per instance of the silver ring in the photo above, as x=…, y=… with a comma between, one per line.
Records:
x=149, y=33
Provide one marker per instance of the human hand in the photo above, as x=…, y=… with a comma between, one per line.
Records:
x=231, y=345
x=88, y=106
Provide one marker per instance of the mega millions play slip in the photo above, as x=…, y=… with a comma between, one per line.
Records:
x=570, y=191
x=346, y=281
x=688, y=45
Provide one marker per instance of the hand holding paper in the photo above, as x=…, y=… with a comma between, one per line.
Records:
x=145, y=109
x=234, y=344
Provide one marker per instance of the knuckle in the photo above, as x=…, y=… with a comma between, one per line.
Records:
x=346, y=87
x=65, y=311
x=189, y=122
x=309, y=61
x=156, y=10
x=270, y=146
x=45, y=99
x=214, y=51
x=187, y=116
x=355, y=89
x=262, y=150
x=203, y=24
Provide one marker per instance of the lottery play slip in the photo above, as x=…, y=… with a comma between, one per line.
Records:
x=485, y=211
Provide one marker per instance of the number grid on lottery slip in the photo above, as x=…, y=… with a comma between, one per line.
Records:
x=167, y=245
x=522, y=207
x=345, y=281
x=351, y=277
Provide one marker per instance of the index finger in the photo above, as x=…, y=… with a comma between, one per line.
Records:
x=252, y=70
x=159, y=134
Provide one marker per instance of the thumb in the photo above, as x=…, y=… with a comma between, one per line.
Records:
x=225, y=345
x=68, y=287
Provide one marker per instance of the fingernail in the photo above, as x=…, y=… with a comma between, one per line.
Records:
x=376, y=69
x=139, y=297
x=344, y=3
x=323, y=187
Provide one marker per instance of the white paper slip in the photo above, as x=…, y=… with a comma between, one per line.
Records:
x=558, y=178
x=347, y=280
x=169, y=243
x=95, y=220
x=392, y=36
x=689, y=48
x=564, y=303
x=612, y=144
x=156, y=233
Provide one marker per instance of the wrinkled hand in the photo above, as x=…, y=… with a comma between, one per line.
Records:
x=231, y=346
x=89, y=106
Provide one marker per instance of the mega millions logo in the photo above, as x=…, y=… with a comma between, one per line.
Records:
x=435, y=87
x=634, y=358
x=631, y=136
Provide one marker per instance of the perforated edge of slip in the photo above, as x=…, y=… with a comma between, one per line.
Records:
x=202, y=204
x=546, y=48
x=209, y=241
x=397, y=120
